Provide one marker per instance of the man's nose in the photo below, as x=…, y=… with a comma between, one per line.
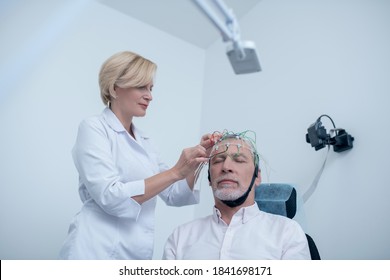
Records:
x=227, y=165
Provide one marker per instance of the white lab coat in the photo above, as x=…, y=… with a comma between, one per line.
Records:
x=112, y=168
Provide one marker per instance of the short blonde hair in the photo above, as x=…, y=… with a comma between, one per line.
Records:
x=124, y=69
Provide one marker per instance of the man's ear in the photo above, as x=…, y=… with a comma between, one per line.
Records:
x=258, y=178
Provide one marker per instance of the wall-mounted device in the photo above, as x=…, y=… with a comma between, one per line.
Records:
x=318, y=137
x=242, y=54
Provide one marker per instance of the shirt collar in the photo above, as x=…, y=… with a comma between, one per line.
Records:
x=243, y=215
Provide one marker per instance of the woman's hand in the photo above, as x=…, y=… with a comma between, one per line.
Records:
x=208, y=141
x=189, y=160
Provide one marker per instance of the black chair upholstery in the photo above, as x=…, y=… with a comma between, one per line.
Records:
x=315, y=255
x=281, y=199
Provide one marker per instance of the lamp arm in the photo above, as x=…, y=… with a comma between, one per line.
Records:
x=229, y=29
x=231, y=21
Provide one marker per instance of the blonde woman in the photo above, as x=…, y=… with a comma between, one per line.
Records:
x=120, y=172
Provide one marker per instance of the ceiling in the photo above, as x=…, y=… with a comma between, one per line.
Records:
x=180, y=18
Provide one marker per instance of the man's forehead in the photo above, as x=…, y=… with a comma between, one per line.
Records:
x=234, y=145
x=234, y=141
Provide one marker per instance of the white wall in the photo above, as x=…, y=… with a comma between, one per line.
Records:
x=318, y=57
x=50, y=55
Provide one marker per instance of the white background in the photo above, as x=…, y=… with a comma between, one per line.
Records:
x=318, y=57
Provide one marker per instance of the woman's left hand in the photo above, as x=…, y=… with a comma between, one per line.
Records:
x=208, y=140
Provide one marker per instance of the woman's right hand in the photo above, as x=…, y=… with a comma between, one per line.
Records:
x=189, y=160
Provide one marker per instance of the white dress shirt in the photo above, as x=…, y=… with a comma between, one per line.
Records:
x=112, y=168
x=251, y=234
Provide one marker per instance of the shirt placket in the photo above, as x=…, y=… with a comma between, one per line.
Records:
x=227, y=243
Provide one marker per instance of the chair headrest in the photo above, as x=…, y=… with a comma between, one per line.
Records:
x=275, y=198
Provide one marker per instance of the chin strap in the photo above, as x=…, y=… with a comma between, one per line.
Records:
x=241, y=199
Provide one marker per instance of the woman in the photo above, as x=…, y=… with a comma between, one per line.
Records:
x=120, y=173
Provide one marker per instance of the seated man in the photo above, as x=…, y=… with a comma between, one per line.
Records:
x=237, y=229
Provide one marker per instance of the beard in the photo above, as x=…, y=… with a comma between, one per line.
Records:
x=229, y=195
x=227, y=192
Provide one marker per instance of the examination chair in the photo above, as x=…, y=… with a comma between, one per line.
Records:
x=281, y=199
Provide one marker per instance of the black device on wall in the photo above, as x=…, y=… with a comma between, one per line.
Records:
x=318, y=137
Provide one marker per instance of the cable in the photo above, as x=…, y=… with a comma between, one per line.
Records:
x=324, y=115
x=314, y=184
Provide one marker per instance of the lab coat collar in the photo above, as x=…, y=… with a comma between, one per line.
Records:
x=117, y=126
x=112, y=120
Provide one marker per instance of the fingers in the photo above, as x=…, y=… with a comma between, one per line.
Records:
x=216, y=136
x=193, y=154
x=197, y=153
x=190, y=158
x=206, y=137
x=208, y=140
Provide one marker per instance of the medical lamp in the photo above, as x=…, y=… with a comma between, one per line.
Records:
x=242, y=54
